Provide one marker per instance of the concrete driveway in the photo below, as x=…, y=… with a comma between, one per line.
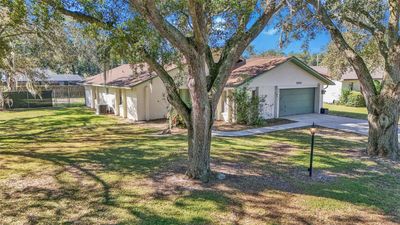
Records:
x=335, y=122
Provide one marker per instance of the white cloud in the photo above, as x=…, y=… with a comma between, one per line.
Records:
x=270, y=32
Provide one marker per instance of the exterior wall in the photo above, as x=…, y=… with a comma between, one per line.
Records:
x=132, y=104
x=107, y=96
x=158, y=104
x=333, y=92
x=146, y=101
x=88, y=96
x=353, y=85
x=287, y=75
x=151, y=100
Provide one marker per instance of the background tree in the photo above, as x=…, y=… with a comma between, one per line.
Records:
x=31, y=39
x=376, y=22
x=337, y=63
x=312, y=59
x=158, y=32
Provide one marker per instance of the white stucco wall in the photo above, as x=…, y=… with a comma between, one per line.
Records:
x=149, y=97
x=88, y=96
x=155, y=93
x=332, y=92
x=132, y=104
x=287, y=75
x=158, y=99
x=107, y=97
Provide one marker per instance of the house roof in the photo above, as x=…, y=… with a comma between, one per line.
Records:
x=126, y=75
x=129, y=75
x=49, y=76
x=322, y=70
x=254, y=67
x=351, y=75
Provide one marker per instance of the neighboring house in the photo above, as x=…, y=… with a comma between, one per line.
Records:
x=332, y=92
x=287, y=85
x=348, y=81
x=47, y=77
x=351, y=82
x=49, y=88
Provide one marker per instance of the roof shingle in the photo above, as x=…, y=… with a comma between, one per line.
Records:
x=129, y=75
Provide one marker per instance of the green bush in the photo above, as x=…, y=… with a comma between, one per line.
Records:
x=344, y=96
x=355, y=99
x=247, y=107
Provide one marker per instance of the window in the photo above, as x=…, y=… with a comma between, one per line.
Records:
x=351, y=86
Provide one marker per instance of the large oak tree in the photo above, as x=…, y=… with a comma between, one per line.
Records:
x=355, y=26
x=193, y=29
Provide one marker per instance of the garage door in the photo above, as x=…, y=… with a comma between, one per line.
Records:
x=296, y=101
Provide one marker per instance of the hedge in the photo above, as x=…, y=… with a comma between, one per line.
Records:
x=355, y=99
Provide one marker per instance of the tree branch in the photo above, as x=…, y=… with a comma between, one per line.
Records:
x=235, y=47
x=393, y=26
x=196, y=10
x=359, y=23
x=363, y=74
x=148, y=10
x=17, y=34
x=172, y=91
x=377, y=33
x=79, y=16
x=372, y=20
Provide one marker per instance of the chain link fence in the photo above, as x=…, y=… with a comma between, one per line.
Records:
x=47, y=97
x=24, y=99
x=68, y=95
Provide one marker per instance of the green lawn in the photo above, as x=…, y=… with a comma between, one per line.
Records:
x=347, y=111
x=69, y=166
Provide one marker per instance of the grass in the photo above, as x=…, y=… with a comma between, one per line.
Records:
x=224, y=126
x=69, y=166
x=347, y=111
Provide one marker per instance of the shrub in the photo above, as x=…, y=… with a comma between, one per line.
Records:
x=247, y=107
x=344, y=96
x=355, y=99
x=240, y=96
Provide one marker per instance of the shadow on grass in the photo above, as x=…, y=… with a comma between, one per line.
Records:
x=254, y=165
x=65, y=161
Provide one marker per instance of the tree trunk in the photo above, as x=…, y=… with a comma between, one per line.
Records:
x=383, y=117
x=200, y=123
x=199, y=144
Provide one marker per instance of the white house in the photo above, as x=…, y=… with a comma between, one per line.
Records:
x=287, y=84
x=332, y=92
x=350, y=80
x=347, y=81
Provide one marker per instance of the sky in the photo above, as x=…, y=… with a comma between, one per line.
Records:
x=269, y=39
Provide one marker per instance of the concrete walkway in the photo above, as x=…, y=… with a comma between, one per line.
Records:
x=335, y=122
x=260, y=130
